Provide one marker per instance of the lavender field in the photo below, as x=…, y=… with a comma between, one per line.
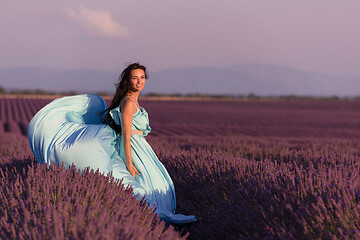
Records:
x=248, y=169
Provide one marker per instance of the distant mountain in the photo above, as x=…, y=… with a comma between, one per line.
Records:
x=251, y=78
x=242, y=79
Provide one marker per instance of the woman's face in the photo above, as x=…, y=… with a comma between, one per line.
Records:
x=137, y=79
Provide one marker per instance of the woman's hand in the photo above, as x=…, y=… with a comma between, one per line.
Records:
x=132, y=170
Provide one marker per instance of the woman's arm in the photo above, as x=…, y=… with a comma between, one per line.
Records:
x=128, y=110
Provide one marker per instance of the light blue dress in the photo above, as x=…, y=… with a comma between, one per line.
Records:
x=68, y=130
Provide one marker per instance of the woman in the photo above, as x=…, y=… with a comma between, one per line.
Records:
x=69, y=130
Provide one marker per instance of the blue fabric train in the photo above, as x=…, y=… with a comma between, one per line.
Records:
x=68, y=130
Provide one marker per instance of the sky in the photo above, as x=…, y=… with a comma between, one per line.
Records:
x=319, y=35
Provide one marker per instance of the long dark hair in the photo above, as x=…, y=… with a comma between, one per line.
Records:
x=123, y=86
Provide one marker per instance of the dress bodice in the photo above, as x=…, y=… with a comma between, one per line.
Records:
x=140, y=119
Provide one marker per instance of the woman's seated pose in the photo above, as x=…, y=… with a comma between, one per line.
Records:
x=81, y=130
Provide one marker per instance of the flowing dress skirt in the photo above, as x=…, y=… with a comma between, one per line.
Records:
x=69, y=131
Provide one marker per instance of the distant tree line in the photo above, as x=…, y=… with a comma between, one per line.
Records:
x=252, y=96
x=193, y=95
x=44, y=92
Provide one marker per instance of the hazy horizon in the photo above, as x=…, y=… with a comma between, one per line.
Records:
x=245, y=79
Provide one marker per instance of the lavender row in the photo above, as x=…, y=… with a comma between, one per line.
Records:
x=309, y=118
x=255, y=170
x=274, y=188
x=16, y=113
x=240, y=187
x=37, y=202
x=20, y=109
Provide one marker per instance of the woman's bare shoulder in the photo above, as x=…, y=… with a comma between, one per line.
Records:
x=127, y=106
